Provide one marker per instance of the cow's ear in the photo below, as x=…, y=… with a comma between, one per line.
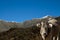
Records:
x=38, y=24
x=50, y=25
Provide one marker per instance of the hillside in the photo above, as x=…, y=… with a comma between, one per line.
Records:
x=21, y=31
x=4, y=25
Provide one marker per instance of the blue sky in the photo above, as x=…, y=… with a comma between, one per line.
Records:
x=21, y=10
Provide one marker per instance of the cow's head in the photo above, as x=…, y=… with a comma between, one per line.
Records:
x=43, y=29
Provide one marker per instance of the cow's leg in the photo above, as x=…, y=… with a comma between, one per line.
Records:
x=51, y=38
x=57, y=37
x=54, y=38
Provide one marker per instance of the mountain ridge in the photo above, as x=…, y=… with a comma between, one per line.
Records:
x=28, y=32
x=7, y=25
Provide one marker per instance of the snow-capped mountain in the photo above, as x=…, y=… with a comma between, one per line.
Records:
x=47, y=16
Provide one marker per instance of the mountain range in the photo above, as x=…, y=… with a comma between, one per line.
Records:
x=4, y=25
x=22, y=31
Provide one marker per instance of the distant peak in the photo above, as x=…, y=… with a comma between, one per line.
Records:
x=47, y=16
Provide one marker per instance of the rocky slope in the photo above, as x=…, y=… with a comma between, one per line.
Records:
x=16, y=32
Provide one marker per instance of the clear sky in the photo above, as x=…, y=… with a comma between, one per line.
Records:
x=21, y=10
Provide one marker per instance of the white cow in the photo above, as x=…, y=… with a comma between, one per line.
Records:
x=47, y=27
